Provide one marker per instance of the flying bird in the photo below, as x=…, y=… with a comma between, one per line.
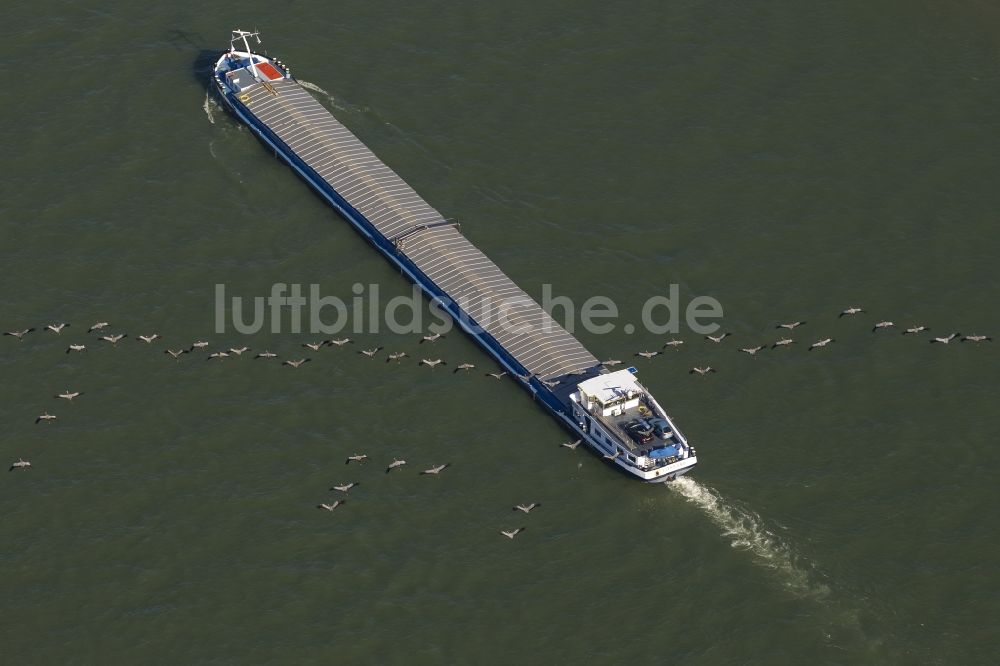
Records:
x=67, y=395
x=19, y=334
x=344, y=488
x=431, y=363
x=822, y=343
x=791, y=325
x=647, y=354
x=976, y=338
x=394, y=464
x=114, y=339
x=101, y=325
x=882, y=324
x=512, y=533
x=331, y=507
x=396, y=356
x=437, y=469
x=219, y=355
x=752, y=350
x=915, y=329
x=296, y=364
x=56, y=328
x=611, y=363
x=176, y=353
x=148, y=339
x=20, y=464
x=463, y=366
x=339, y=342
x=527, y=508
x=200, y=344
x=717, y=338
x=238, y=350
x=783, y=342
x=614, y=455
x=45, y=417
x=313, y=345
x=850, y=312
x=357, y=457
x=701, y=371
x=76, y=348
x=496, y=375
x=946, y=340
x=572, y=445
x=370, y=353
x=266, y=354
x=431, y=338
x=676, y=344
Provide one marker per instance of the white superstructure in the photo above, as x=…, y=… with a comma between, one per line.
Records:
x=620, y=419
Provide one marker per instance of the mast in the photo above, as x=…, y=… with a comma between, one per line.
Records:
x=243, y=34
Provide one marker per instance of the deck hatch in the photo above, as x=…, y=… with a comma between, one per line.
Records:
x=440, y=251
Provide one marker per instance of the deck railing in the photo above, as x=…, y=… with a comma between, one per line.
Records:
x=621, y=434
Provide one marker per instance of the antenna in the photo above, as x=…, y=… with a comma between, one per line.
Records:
x=239, y=34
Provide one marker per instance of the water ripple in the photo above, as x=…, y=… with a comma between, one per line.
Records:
x=746, y=531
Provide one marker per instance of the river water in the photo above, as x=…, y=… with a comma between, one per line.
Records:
x=788, y=159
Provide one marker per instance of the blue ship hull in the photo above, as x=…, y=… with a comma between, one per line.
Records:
x=388, y=250
x=557, y=402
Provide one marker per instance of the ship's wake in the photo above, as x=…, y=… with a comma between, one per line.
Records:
x=336, y=103
x=207, y=107
x=745, y=530
x=315, y=88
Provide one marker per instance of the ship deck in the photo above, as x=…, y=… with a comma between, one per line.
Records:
x=435, y=246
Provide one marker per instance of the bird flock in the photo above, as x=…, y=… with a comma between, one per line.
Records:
x=391, y=468
x=784, y=341
x=97, y=335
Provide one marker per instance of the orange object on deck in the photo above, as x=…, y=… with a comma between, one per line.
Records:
x=268, y=70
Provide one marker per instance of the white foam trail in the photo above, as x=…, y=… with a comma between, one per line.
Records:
x=207, y=106
x=349, y=108
x=312, y=86
x=746, y=531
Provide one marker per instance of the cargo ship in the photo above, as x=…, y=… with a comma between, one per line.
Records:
x=608, y=409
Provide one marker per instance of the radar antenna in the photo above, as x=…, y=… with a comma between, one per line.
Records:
x=241, y=35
